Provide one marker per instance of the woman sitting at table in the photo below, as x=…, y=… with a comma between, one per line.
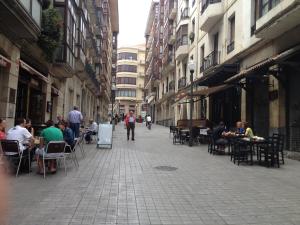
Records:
x=248, y=130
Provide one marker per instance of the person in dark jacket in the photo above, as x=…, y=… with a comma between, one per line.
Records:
x=218, y=133
x=67, y=133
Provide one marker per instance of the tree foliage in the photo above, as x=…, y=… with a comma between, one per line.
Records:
x=50, y=36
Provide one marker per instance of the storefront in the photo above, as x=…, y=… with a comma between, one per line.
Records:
x=31, y=94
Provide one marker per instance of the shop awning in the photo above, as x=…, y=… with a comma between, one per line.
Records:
x=33, y=71
x=4, y=62
x=216, y=75
x=265, y=63
x=211, y=90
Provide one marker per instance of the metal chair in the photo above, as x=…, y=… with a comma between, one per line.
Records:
x=80, y=140
x=280, y=145
x=72, y=152
x=11, y=149
x=240, y=152
x=54, y=150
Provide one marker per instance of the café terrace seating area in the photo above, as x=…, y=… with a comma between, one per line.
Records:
x=265, y=151
x=12, y=158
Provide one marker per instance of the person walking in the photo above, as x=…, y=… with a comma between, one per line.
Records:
x=130, y=124
x=75, y=117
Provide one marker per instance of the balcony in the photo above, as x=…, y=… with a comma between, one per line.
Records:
x=182, y=50
x=21, y=20
x=278, y=20
x=212, y=11
x=173, y=10
x=181, y=83
x=211, y=60
x=169, y=63
x=230, y=47
x=172, y=39
x=172, y=86
x=184, y=14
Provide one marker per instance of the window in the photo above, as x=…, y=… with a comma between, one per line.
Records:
x=127, y=56
x=202, y=58
x=127, y=68
x=167, y=86
x=182, y=35
x=126, y=93
x=192, y=34
x=34, y=8
x=231, y=23
x=193, y=3
x=267, y=5
x=126, y=80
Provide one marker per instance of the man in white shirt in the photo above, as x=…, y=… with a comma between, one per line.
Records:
x=25, y=139
x=92, y=130
x=21, y=134
x=75, y=118
x=148, y=120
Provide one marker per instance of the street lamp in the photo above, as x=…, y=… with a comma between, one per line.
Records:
x=191, y=67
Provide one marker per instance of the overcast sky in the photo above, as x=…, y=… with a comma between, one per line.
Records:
x=133, y=17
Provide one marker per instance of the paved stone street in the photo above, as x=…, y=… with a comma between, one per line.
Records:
x=122, y=186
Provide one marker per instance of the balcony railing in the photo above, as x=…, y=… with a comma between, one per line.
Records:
x=184, y=14
x=183, y=40
x=181, y=82
x=206, y=3
x=211, y=60
x=230, y=47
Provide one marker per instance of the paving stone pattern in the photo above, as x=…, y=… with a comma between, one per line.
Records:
x=122, y=186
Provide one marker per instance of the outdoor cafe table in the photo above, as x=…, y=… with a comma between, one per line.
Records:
x=253, y=142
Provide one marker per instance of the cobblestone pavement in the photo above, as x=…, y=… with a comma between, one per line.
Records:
x=122, y=186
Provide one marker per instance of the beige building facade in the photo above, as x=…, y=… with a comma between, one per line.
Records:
x=246, y=54
x=130, y=80
x=79, y=73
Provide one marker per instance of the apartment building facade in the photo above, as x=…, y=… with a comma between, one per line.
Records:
x=40, y=86
x=153, y=57
x=247, y=60
x=130, y=80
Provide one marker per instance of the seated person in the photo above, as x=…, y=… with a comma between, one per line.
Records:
x=239, y=128
x=50, y=133
x=2, y=129
x=25, y=139
x=218, y=133
x=67, y=133
x=92, y=130
x=248, y=130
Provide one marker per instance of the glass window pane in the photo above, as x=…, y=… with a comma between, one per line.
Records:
x=36, y=11
x=26, y=4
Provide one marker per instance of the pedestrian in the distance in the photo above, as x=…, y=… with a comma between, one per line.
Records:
x=75, y=117
x=130, y=124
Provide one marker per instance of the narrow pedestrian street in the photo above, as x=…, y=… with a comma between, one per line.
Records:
x=152, y=181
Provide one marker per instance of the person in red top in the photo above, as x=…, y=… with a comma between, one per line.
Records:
x=130, y=124
x=2, y=129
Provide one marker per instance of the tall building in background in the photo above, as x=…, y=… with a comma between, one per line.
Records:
x=154, y=49
x=130, y=80
x=55, y=55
